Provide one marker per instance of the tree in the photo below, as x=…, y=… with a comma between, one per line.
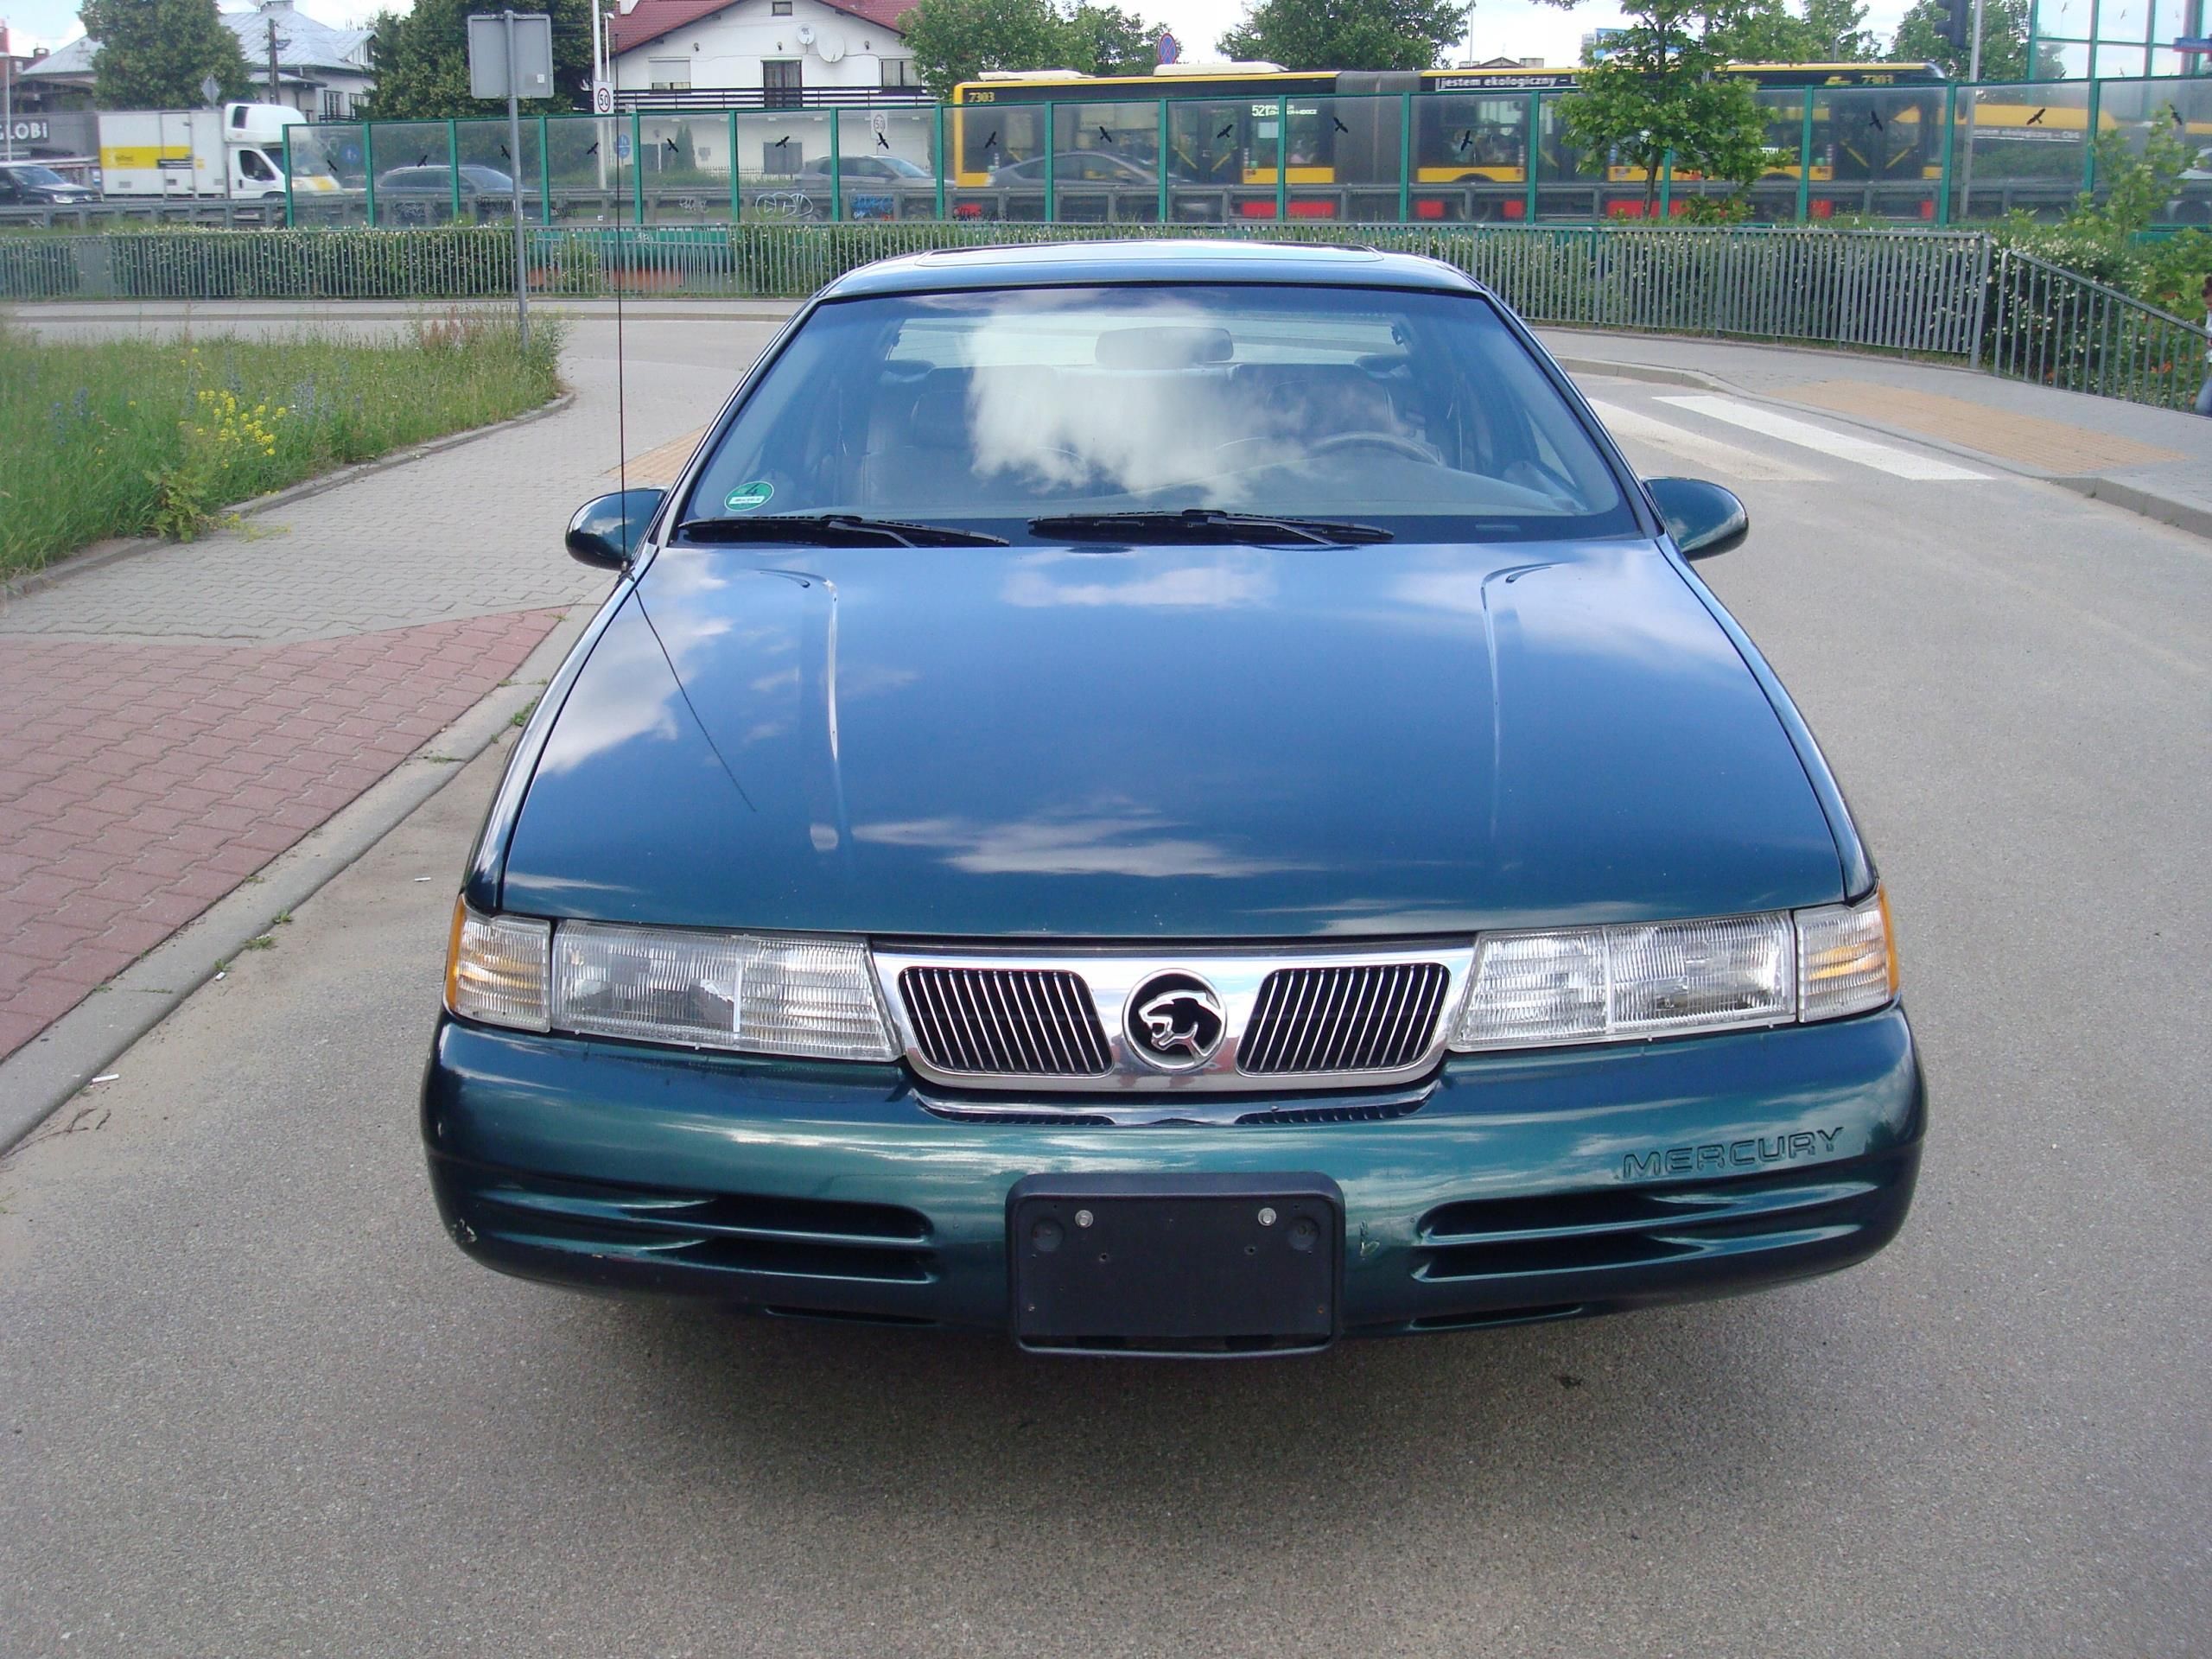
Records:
x=422, y=60
x=1107, y=41
x=154, y=53
x=1659, y=90
x=954, y=41
x=2004, y=42
x=1347, y=34
x=1826, y=31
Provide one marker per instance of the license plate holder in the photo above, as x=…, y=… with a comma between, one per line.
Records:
x=1175, y=1264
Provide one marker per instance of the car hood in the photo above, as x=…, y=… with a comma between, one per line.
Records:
x=1178, y=742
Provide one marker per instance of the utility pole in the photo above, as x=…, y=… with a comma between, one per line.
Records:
x=270, y=23
x=7, y=96
x=1973, y=77
x=514, y=161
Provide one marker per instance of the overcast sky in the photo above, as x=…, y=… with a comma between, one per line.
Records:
x=1509, y=29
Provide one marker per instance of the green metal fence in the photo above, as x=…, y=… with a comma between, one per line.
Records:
x=2057, y=328
x=1953, y=294
x=1901, y=290
x=1932, y=155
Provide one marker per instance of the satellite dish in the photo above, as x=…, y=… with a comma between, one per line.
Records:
x=806, y=33
x=830, y=45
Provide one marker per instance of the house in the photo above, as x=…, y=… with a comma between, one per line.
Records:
x=320, y=70
x=760, y=53
x=36, y=125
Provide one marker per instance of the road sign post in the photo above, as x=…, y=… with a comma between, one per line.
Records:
x=511, y=56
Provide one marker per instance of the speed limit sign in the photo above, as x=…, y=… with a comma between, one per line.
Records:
x=603, y=98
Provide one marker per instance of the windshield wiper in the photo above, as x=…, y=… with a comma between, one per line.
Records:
x=1203, y=524
x=832, y=530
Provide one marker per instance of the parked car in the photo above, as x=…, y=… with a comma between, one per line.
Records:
x=26, y=184
x=1167, y=797
x=419, y=194
x=873, y=186
x=888, y=171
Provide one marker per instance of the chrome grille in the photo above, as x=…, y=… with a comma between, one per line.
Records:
x=1031, y=1021
x=1369, y=1017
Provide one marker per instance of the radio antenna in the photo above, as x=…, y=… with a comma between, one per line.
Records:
x=622, y=402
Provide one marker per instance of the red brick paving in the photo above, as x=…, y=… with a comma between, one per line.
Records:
x=140, y=783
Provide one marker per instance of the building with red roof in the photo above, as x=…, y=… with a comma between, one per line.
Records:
x=771, y=53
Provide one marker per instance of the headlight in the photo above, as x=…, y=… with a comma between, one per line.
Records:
x=763, y=994
x=1612, y=984
x=1596, y=984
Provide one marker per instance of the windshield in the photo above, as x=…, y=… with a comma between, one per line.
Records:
x=1416, y=411
x=39, y=175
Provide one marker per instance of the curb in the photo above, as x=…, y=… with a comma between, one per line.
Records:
x=1656, y=373
x=50, y=1070
x=112, y=552
x=2160, y=509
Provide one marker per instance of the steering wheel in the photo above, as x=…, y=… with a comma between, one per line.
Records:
x=1408, y=448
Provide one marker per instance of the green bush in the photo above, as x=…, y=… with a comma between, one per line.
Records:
x=138, y=436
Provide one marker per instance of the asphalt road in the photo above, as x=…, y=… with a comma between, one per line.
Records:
x=252, y=1401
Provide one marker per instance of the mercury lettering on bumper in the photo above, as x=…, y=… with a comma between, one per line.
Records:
x=1715, y=1156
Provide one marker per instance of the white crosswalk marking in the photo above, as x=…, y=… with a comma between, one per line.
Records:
x=1899, y=463
x=1724, y=460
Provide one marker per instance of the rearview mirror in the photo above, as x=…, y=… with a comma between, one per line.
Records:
x=1703, y=519
x=607, y=531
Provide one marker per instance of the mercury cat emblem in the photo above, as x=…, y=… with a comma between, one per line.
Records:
x=1174, y=1022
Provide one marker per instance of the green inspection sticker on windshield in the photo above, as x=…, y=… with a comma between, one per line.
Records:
x=746, y=497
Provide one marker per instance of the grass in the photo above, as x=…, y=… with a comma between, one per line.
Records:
x=140, y=437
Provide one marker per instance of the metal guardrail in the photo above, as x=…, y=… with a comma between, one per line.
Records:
x=120, y=213
x=1900, y=290
x=2058, y=329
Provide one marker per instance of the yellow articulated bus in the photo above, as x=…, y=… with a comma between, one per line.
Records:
x=1335, y=137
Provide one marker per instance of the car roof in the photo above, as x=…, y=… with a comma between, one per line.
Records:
x=1158, y=260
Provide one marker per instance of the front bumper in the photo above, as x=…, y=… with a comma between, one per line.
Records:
x=1525, y=1185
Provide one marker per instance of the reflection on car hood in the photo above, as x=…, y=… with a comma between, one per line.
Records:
x=1157, y=742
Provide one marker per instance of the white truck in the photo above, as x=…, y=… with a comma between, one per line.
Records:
x=237, y=152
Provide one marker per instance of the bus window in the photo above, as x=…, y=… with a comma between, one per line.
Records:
x=1207, y=141
x=1471, y=137
x=1873, y=133
x=1784, y=112
x=1128, y=130
x=1311, y=134
x=998, y=135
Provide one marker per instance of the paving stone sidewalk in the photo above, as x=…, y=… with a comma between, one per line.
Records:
x=177, y=719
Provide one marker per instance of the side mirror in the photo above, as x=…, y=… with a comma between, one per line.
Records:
x=1703, y=519
x=606, y=531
